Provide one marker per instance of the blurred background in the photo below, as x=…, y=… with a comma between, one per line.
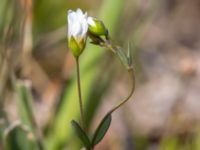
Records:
x=38, y=93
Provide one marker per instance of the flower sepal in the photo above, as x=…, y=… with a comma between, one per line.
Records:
x=76, y=47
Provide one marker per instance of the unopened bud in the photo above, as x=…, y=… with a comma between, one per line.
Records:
x=97, y=27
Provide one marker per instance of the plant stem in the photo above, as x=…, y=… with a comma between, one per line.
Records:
x=131, y=72
x=79, y=92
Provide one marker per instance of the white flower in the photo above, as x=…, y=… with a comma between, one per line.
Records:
x=77, y=31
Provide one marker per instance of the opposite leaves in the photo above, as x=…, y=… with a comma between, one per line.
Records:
x=81, y=134
x=102, y=129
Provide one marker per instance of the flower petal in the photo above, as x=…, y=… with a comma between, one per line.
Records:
x=77, y=24
x=79, y=13
x=90, y=21
x=76, y=29
x=84, y=28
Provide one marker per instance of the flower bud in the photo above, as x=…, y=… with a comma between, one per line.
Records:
x=77, y=31
x=97, y=27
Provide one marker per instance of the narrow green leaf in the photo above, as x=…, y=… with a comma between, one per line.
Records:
x=102, y=129
x=19, y=137
x=122, y=56
x=81, y=134
x=24, y=103
x=130, y=55
x=25, y=109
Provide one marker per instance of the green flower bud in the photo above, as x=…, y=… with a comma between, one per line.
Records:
x=97, y=27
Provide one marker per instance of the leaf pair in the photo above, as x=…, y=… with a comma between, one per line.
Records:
x=102, y=129
x=98, y=135
x=81, y=135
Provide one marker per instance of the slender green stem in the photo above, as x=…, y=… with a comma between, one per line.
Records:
x=108, y=44
x=131, y=72
x=79, y=92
